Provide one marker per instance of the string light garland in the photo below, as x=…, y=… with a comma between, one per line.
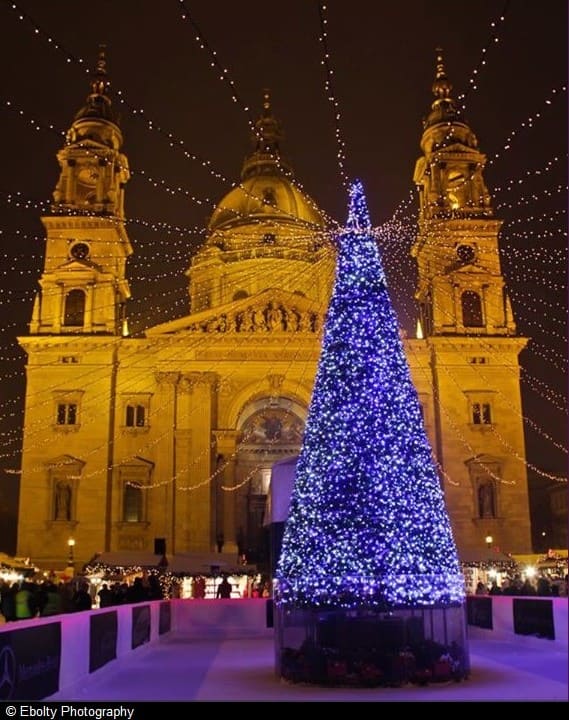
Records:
x=493, y=40
x=181, y=230
x=330, y=94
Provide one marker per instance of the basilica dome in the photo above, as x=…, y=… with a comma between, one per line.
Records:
x=262, y=198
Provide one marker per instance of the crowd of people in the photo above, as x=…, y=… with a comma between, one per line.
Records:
x=27, y=599
x=541, y=586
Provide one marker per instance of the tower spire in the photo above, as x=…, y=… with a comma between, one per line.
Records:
x=444, y=108
x=265, y=157
x=442, y=85
x=98, y=103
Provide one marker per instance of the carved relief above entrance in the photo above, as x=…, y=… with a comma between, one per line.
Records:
x=273, y=427
x=271, y=317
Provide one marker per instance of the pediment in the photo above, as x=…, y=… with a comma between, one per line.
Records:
x=460, y=268
x=458, y=148
x=483, y=460
x=138, y=463
x=64, y=460
x=79, y=265
x=86, y=143
x=272, y=310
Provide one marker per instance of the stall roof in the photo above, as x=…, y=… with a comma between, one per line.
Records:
x=182, y=563
x=127, y=559
x=202, y=563
x=485, y=556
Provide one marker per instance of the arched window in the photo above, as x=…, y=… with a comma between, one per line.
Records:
x=240, y=295
x=74, y=308
x=471, y=309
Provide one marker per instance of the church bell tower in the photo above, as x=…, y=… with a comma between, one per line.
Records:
x=467, y=322
x=83, y=285
x=76, y=330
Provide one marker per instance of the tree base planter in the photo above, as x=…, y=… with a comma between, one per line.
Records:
x=366, y=648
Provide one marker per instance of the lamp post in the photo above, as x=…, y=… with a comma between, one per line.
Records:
x=71, y=557
x=489, y=540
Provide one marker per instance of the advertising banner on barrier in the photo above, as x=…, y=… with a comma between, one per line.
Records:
x=140, y=625
x=165, y=618
x=29, y=662
x=103, y=633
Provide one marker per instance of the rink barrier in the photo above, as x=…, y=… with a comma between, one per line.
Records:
x=528, y=620
x=43, y=658
x=47, y=657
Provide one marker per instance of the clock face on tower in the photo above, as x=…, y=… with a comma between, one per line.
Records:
x=465, y=253
x=79, y=251
x=88, y=175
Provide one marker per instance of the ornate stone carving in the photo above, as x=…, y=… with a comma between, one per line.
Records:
x=189, y=381
x=225, y=386
x=275, y=382
x=273, y=317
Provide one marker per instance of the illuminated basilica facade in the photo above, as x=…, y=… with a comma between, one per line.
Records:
x=171, y=434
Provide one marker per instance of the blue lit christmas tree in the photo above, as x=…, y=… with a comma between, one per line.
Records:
x=367, y=526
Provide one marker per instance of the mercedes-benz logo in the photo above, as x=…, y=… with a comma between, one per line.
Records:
x=7, y=672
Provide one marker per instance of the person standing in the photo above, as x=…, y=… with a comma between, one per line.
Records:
x=224, y=588
x=26, y=606
x=81, y=598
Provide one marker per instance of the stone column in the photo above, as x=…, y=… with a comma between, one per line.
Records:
x=226, y=445
x=89, y=303
x=195, y=467
x=167, y=453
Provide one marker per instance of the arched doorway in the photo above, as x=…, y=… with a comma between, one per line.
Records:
x=269, y=430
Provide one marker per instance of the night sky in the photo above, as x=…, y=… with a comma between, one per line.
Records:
x=383, y=61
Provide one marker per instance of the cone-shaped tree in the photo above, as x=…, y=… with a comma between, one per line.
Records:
x=367, y=525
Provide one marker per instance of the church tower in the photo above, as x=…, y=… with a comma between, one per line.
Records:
x=469, y=331
x=77, y=323
x=83, y=286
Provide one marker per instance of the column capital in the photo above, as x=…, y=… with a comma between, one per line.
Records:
x=189, y=381
x=226, y=440
x=166, y=378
